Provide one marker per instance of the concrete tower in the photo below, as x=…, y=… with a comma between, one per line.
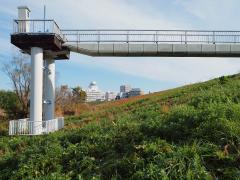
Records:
x=44, y=48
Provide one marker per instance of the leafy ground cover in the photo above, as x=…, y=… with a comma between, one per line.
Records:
x=192, y=132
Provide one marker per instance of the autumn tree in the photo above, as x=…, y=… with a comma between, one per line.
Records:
x=79, y=95
x=18, y=71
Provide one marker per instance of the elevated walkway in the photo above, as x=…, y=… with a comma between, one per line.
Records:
x=156, y=50
x=168, y=43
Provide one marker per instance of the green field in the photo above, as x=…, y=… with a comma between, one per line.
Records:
x=192, y=132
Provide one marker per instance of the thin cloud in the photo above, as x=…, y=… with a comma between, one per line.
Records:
x=218, y=14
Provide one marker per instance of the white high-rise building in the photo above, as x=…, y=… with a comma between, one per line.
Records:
x=94, y=93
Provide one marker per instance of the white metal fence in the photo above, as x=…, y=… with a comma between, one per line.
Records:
x=39, y=26
x=36, y=26
x=151, y=36
x=27, y=127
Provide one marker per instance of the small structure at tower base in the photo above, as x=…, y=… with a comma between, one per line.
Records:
x=27, y=127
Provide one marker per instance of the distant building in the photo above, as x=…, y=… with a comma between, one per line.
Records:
x=110, y=96
x=135, y=92
x=93, y=93
x=125, y=88
x=127, y=91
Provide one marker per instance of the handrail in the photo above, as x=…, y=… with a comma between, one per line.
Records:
x=16, y=20
x=154, y=36
x=36, y=26
x=165, y=30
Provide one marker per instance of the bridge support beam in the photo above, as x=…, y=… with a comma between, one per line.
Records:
x=36, y=89
x=49, y=89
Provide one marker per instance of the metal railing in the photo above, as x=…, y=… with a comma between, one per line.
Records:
x=151, y=36
x=36, y=26
x=27, y=127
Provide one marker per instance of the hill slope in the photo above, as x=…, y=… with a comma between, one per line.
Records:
x=192, y=132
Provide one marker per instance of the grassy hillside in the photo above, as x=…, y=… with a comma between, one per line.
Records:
x=192, y=132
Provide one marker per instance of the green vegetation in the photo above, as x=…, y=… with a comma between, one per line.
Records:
x=9, y=103
x=191, y=132
x=9, y=109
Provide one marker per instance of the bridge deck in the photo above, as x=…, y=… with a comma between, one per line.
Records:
x=164, y=50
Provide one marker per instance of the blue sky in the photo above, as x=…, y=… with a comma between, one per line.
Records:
x=150, y=74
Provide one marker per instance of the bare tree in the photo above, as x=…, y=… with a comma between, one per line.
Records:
x=79, y=95
x=68, y=99
x=18, y=71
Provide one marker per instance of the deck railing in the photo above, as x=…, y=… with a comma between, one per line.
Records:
x=151, y=36
x=36, y=26
x=27, y=127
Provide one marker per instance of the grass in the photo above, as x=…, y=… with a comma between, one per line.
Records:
x=191, y=132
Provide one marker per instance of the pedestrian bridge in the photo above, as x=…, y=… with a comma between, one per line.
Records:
x=176, y=43
x=168, y=43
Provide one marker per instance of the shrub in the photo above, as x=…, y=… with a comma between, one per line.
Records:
x=10, y=104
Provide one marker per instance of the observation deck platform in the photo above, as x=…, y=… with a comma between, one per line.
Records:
x=40, y=33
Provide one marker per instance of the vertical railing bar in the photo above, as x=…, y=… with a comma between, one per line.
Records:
x=19, y=128
x=214, y=37
x=20, y=123
x=98, y=37
x=33, y=26
x=185, y=37
x=15, y=127
x=14, y=25
x=156, y=37
x=43, y=26
x=13, y=130
x=9, y=130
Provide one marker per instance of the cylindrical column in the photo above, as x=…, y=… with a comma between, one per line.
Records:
x=49, y=89
x=36, y=89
